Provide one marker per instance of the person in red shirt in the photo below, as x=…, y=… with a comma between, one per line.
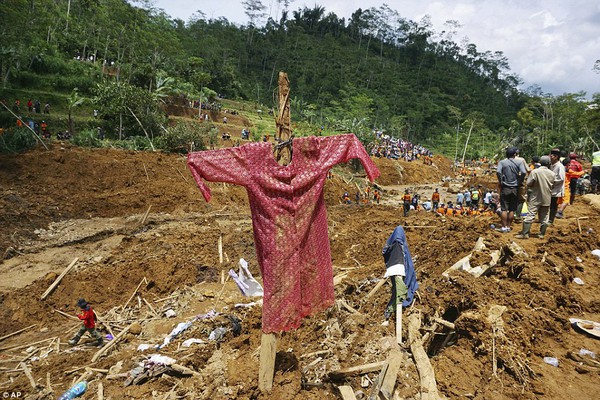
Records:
x=576, y=171
x=88, y=316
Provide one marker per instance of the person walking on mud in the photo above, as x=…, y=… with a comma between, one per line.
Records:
x=88, y=316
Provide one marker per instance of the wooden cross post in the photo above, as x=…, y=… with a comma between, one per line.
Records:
x=283, y=155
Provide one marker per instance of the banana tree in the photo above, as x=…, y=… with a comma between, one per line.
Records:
x=73, y=100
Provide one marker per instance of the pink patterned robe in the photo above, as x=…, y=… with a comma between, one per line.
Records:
x=288, y=216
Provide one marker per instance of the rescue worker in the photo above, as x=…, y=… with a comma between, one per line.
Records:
x=406, y=199
x=435, y=199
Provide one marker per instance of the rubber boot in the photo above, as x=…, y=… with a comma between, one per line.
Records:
x=542, y=231
x=525, y=232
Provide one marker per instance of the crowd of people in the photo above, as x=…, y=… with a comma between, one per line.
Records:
x=393, y=148
x=546, y=186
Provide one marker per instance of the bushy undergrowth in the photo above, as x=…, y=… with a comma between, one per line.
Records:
x=17, y=140
x=87, y=138
x=187, y=136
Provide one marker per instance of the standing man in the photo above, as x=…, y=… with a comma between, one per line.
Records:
x=575, y=172
x=539, y=184
x=595, y=177
x=510, y=175
x=406, y=199
x=435, y=199
x=559, y=179
x=522, y=187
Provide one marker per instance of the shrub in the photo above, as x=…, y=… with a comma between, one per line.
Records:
x=87, y=138
x=187, y=136
x=17, y=140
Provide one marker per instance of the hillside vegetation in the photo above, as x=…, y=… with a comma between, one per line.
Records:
x=377, y=70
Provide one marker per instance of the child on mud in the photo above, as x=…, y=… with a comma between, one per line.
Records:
x=88, y=316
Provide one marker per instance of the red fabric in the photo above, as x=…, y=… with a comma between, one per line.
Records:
x=88, y=317
x=288, y=217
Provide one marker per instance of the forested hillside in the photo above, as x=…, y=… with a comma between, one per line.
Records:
x=376, y=70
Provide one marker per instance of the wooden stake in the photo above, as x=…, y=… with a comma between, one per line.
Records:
x=60, y=277
x=143, y=220
x=16, y=332
x=579, y=225
x=220, y=246
x=399, y=323
x=268, y=350
x=100, y=391
x=135, y=291
x=146, y=171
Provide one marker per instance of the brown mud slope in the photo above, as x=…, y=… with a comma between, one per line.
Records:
x=72, y=203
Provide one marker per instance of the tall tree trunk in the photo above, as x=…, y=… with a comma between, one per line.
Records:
x=467, y=142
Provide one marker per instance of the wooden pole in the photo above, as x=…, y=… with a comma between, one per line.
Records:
x=143, y=220
x=57, y=280
x=399, y=323
x=135, y=291
x=268, y=350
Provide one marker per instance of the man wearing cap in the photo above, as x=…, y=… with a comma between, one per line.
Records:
x=559, y=179
x=539, y=183
x=510, y=175
x=88, y=316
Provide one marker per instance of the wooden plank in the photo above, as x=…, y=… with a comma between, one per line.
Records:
x=23, y=346
x=347, y=392
x=429, y=389
x=111, y=344
x=268, y=349
x=16, y=332
x=60, y=277
x=29, y=375
x=357, y=370
x=389, y=381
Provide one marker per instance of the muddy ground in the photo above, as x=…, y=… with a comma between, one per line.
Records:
x=69, y=203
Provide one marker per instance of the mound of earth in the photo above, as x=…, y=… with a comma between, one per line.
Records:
x=146, y=243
